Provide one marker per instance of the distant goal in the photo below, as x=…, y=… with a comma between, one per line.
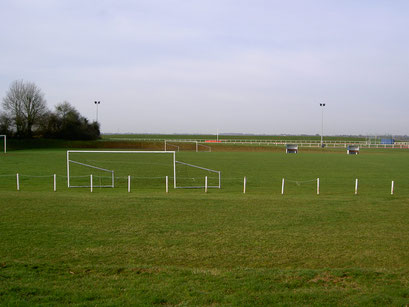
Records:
x=180, y=145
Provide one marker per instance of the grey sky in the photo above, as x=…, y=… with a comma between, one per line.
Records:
x=187, y=66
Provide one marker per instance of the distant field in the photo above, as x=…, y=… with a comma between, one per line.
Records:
x=147, y=247
x=230, y=137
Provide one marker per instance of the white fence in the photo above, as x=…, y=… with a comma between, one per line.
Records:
x=266, y=142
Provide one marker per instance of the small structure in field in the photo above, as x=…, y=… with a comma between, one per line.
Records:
x=387, y=141
x=291, y=148
x=353, y=150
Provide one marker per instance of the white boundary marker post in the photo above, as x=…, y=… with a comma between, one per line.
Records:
x=129, y=184
x=90, y=177
x=197, y=146
x=282, y=187
x=55, y=183
x=392, y=187
x=356, y=186
x=167, y=184
x=18, y=182
x=244, y=184
x=205, y=184
x=318, y=186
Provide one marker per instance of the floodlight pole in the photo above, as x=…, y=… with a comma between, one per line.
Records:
x=97, y=103
x=322, y=105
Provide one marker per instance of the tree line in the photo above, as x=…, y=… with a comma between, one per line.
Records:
x=25, y=115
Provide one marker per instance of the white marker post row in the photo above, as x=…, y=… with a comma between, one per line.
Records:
x=356, y=186
x=206, y=184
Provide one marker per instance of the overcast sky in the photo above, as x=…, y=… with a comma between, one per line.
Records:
x=195, y=66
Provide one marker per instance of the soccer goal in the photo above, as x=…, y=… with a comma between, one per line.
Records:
x=187, y=145
x=3, y=139
x=146, y=169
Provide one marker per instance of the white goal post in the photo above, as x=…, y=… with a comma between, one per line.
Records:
x=5, y=142
x=112, y=171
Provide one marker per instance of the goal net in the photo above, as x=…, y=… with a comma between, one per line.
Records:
x=110, y=169
x=194, y=176
x=146, y=169
x=302, y=186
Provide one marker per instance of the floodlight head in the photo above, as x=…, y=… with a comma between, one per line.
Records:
x=97, y=102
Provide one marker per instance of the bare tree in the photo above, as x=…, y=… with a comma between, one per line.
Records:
x=5, y=124
x=25, y=104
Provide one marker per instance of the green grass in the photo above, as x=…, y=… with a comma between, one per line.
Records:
x=189, y=248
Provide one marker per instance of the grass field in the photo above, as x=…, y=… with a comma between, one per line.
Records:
x=189, y=248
